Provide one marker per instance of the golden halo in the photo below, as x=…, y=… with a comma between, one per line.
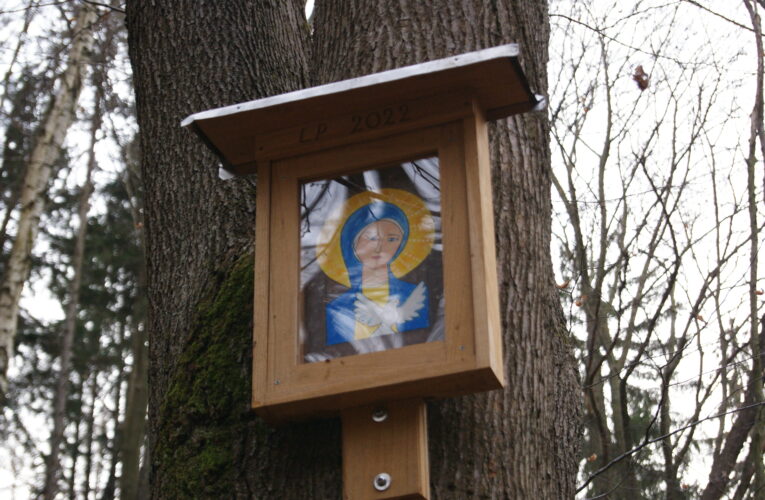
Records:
x=418, y=245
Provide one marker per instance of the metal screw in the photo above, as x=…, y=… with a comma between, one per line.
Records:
x=379, y=415
x=462, y=348
x=382, y=481
x=276, y=382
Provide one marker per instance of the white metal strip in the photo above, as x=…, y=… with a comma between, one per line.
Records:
x=502, y=51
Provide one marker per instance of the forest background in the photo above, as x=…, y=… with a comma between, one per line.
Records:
x=657, y=142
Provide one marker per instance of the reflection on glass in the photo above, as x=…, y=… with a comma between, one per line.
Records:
x=371, y=267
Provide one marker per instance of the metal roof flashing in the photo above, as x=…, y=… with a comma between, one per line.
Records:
x=493, y=75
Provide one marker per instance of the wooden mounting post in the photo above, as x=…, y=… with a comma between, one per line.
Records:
x=388, y=439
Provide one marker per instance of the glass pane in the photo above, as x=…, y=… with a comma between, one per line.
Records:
x=370, y=254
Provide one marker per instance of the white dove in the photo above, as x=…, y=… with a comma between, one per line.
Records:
x=386, y=317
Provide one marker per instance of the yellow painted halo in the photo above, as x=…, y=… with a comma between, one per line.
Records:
x=418, y=244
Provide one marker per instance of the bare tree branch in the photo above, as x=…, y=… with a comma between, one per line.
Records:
x=660, y=438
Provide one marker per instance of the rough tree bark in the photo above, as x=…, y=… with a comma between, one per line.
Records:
x=59, y=117
x=517, y=443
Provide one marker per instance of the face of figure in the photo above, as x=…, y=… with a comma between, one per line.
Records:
x=377, y=243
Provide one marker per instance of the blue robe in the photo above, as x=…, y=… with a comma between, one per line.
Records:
x=341, y=315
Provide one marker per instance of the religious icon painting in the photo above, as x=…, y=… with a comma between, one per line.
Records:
x=371, y=260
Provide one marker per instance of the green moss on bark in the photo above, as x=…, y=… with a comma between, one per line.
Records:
x=206, y=408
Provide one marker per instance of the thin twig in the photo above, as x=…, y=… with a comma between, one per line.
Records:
x=717, y=14
x=99, y=4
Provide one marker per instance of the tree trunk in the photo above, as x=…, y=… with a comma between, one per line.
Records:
x=90, y=424
x=58, y=118
x=132, y=429
x=723, y=465
x=518, y=443
x=53, y=466
x=71, y=479
x=115, y=445
x=757, y=440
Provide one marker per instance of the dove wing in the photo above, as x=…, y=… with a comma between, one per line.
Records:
x=367, y=311
x=413, y=304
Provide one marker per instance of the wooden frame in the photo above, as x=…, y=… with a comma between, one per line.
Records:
x=469, y=357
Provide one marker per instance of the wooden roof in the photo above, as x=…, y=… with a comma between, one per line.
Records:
x=493, y=76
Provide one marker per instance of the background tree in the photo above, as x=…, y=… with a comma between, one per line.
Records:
x=103, y=389
x=657, y=292
x=46, y=149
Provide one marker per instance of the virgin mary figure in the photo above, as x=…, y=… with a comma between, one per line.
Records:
x=382, y=238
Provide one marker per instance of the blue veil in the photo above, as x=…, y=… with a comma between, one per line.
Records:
x=356, y=222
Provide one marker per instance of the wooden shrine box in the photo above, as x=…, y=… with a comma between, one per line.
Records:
x=375, y=274
x=432, y=110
